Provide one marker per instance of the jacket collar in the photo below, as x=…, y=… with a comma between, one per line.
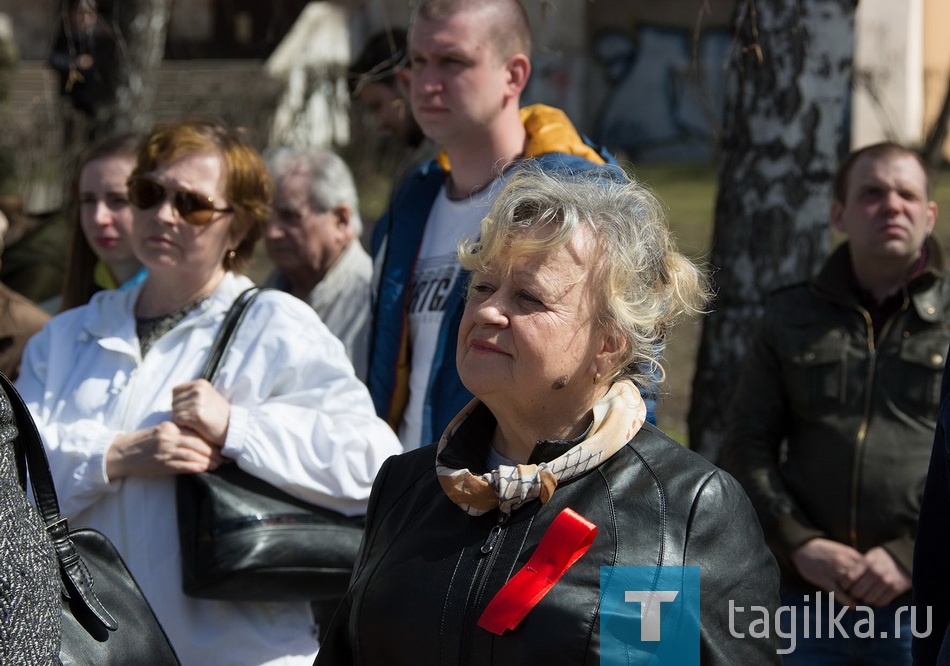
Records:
x=335, y=280
x=112, y=319
x=468, y=446
x=549, y=131
x=618, y=415
x=836, y=281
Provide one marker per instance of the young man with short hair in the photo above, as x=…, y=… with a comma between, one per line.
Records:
x=469, y=65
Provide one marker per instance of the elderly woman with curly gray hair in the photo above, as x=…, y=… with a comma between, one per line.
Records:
x=509, y=540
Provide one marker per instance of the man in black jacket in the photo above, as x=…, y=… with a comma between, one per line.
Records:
x=81, y=55
x=834, y=415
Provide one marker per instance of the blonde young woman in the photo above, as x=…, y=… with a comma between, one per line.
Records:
x=100, y=218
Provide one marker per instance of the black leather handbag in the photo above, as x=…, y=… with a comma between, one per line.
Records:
x=106, y=618
x=242, y=539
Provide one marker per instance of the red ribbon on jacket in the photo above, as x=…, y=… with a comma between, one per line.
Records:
x=568, y=537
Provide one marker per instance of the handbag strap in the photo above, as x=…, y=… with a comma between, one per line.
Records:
x=222, y=342
x=18, y=453
x=31, y=455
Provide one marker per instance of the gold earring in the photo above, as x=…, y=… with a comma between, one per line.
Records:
x=596, y=378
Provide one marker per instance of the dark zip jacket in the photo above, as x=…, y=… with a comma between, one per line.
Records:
x=831, y=429
x=423, y=578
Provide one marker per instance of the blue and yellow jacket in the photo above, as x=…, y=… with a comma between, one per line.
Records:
x=555, y=144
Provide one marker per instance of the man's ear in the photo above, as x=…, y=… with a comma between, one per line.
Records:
x=342, y=214
x=343, y=229
x=519, y=70
x=837, y=216
x=931, y=215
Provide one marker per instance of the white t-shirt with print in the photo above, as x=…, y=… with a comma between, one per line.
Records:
x=436, y=271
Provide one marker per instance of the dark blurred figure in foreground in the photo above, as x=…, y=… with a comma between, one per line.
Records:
x=932, y=548
x=30, y=607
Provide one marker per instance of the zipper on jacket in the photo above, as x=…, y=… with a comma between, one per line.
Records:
x=493, y=535
x=127, y=394
x=485, y=561
x=866, y=416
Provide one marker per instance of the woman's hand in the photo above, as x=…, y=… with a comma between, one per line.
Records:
x=197, y=405
x=162, y=450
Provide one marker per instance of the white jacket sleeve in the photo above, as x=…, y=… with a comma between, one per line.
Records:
x=300, y=419
x=76, y=449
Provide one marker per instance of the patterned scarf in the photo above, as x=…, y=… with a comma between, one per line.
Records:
x=150, y=329
x=617, y=418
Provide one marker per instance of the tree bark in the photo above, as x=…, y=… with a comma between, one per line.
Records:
x=783, y=135
x=139, y=28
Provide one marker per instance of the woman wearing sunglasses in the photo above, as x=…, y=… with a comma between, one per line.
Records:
x=113, y=388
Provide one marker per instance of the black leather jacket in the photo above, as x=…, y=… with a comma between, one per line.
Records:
x=831, y=429
x=422, y=581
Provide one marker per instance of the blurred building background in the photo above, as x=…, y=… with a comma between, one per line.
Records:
x=644, y=78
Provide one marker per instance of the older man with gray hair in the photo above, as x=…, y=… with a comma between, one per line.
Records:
x=313, y=240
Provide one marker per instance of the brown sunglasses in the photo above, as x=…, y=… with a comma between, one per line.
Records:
x=195, y=209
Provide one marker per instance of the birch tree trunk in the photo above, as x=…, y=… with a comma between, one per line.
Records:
x=139, y=28
x=789, y=78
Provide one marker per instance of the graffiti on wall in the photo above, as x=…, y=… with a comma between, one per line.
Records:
x=663, y=104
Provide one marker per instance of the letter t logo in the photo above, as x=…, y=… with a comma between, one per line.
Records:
x=650, y=610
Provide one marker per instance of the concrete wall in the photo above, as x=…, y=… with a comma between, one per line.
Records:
x=663, y=94
x=888, y=61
